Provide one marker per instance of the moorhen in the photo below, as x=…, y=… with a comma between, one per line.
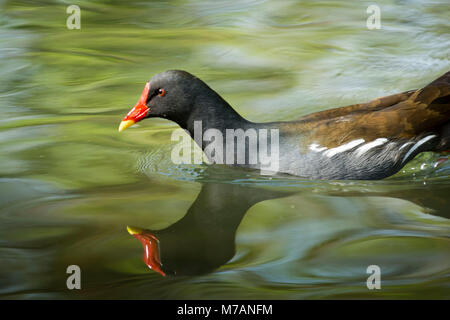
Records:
x=370, y=140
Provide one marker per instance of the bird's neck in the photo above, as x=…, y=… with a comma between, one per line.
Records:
x=213, y=112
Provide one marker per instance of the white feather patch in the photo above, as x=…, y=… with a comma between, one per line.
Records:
x=417, y=145
x=375, y=143
x=316, y=147
x=406, y=144
x=350, y=145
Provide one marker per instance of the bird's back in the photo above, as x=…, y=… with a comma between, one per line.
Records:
x=371, y=140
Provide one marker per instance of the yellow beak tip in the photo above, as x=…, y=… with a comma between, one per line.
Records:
x=125, y=124
x=134, y=230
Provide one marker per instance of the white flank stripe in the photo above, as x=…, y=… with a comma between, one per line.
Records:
x=418, y=144
x=316, y=147
x=345, y=147
x=370, y=145
x=405, y=144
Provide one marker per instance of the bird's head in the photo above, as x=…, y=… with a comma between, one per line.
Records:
x=170, y=95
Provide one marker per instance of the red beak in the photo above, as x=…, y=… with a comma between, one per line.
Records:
x=151, y=248
x=138, y=112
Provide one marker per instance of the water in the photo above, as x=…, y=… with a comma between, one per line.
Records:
x=70, y=183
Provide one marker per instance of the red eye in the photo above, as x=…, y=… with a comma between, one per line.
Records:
x=161, y=92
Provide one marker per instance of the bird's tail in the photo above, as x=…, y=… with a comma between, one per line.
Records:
x=442, y=82
x=438, y=93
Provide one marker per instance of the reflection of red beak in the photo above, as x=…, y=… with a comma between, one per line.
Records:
x=151, y=248
x=138, y=112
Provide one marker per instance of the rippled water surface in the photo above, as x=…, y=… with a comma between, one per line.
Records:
x=70, y=183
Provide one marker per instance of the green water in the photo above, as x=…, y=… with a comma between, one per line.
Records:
x=70, y=183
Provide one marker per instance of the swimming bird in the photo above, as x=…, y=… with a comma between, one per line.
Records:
x=364, y=141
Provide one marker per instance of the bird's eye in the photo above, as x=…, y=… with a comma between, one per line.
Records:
x=161, y=92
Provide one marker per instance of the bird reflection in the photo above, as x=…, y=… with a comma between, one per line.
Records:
x=204, y=239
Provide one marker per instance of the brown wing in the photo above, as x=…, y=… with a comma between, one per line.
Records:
x=374, y=105
x=403, y=115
